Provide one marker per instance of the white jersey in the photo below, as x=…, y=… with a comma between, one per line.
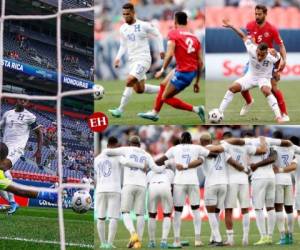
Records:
x=184, y=154
x=17, y=126
x=298, y=171
x=215, y=168
x=240, y=154
x=285, y=156
x=261, y=69
x=135, y=176
x=166, y=176
x=135, y=38
x=107, y=173
x=265, y=171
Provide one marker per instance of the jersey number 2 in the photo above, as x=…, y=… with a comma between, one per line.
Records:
x=190, y=43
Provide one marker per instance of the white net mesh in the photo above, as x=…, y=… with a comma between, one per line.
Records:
x=58, y=98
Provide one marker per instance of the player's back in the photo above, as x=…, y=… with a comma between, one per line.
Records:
x=187, y=49
x=166, y=176
x=108, y=173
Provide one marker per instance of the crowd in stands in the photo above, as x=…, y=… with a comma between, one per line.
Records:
x=252, y=3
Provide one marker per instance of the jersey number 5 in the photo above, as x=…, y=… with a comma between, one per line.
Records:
x=190, y=43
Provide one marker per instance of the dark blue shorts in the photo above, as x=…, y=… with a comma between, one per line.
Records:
x=181, y=80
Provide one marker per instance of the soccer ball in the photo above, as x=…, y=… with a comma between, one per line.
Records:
x=81, y=201
x=215, y=116
x=98, y=92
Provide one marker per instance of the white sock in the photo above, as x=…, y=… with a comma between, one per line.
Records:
x=280, y=222
x=151, y=89
x=260, y=222
x=125, y=98
x=4, y=195
x=166, y=228
x=290, y=222
x=140, y=224
x=195, y=109
x=112, y=230
x=197, y=223
x=151, y=228
x=214, y=226
x=101, y=230
x=246, y=225
x=176, y=225
x=128, y=223
x=274, y=105
x=271, y=221
x=226, y=100
x=229, y=235
x=11, y=197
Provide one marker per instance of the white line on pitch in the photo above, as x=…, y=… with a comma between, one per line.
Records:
x=70, y=244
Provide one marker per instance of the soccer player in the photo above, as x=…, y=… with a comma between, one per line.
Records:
x=17, y=124
x=263, y=32
x=238, y=187
x=159, y=186
x=135, y=39
x=108, y=192
x=283, y=167
x=18, y=189
x=187, y=51
x=134, y=187
x=259, y=74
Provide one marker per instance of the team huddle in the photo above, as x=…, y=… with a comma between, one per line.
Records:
x=173, y=177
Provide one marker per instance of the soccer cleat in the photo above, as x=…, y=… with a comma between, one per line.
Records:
x=13, y=208
x=245, y=242
x=282, y=241
x=103, y=246
x=163, y=244
x=219, y=244
x=150, y=115
x=199, y=243
x=133, y=239
x=228, y=243
x=115, y=112
x=269, y=240
x=285, y=118
x=211, y=243
x=279, y=119
x=201, y=113
x=263, y=241
x=175, y=245
x=110, y=246
x=184, y=243
x=289, y=238
x=245, y=109
x=151, y=244
x=137, y=245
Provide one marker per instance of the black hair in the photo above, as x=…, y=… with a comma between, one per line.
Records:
x=261, y=7
x=248, y=133
x=186, y=138
x=295, y=140
x=3, y=151
x=112, y=141
x=181, y=18
x=227, y=134
x=128, y=6
x=262, y=46
x=278, y=134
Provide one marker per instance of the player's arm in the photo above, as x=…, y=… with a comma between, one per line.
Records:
x=39, y=135
x=235, y=164
x=290, y=168
x=269, y=160
x=192, y=164
x=159, y=39
x=215, y=149
x=282, y=50
x=241, y=34
x=132, y=164
x=121, y=51
x=114, y=152
x=161, y=160
x=262, y=148
x=168, y=58
x=153, y=166
x=236, y=141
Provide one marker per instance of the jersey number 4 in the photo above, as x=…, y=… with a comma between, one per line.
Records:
x=190, y=45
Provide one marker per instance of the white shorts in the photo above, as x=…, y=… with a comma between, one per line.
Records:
x=249, y=82
x=133, y=198
x=181, y=191
x=160, y=192
x=14, y=154
x=138, y=69
x=263, y=193
x=237, y=192
x=297, y=197
x=108, y=204
x=284, y=194
x=215, y=195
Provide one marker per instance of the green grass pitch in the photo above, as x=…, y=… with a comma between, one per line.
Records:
x=37, y=228
x=144, y=102
x=187, y=233
x=260, y=112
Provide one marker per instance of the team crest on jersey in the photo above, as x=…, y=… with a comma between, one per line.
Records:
x=137, y=28
x=266, y=34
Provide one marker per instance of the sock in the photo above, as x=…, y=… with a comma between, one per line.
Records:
x=290, y=222
x=11, y=197
x=176, y=225
x=260, y=222
x=112, y=230
x=128, y=223
x=273, y=105
x=101, y=230
x=151, y=228
x=280, y=222
x=151, y=89
x=4, y=195
x=229, y=235
x=214, y=226
x=179, y=104
x=271, y=221
x=226, y=100
x=197, y=223
x=140, y=223
x=166, y=228
x=246, y=225
x=280, y=99
x=158, y=101
x=125, y=98
x=247, y=96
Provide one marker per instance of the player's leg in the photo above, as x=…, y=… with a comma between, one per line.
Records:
x=194, y=196
x=280, y=98
x=101, y=202
x=11, y=199
x=244, y=200
x=247, y=96
x=153, y=198
x=279, y=198
x=139, y=208
x=167, y=204
x=270, y=207
x=288, y=206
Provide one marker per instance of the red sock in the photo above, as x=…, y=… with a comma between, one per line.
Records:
x=179, y=104
x=158, y=101
x=247, y=96
x=280, y=99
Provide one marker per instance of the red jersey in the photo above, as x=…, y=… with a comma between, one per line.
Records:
x=187, y=49
x=265, y=34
